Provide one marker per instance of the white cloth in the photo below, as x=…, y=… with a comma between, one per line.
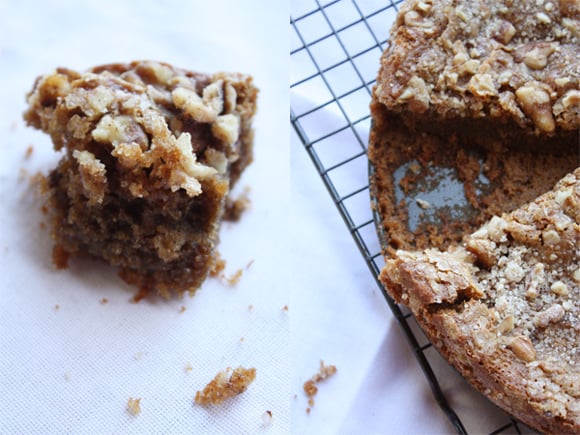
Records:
x=72, y=369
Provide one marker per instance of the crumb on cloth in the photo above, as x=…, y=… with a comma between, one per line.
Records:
x=226, y=384
x=310, y=388
x=134, y=406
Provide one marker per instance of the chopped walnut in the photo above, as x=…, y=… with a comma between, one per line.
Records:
x=536, y=104
x=416, y=94
x=537, y=57
x=534, y=279
x=523, y=348
x=559, y=288
x=93, y=176
x=482, y=85
x=506, y=325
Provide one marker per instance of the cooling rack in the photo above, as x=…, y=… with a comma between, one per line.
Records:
x=334, y=57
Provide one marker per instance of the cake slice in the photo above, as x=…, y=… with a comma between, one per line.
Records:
x=150, y=153
x=501, y=74
x=504, y=307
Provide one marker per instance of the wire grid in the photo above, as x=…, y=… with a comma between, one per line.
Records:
x=334, y=58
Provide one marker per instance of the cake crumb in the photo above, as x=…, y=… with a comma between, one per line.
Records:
x=226, y=384
x=267, y=418
x=140, y=295
x=285, y=308
x=104, y=301
x=250, y=307
x=28, y=152
x=56, y=307
x=250, y=263
x=310, y=388
x=235, y=278
x=188, y=367
x=236, y=207
x=218, y=266
x=134, y=406
x=60, y=257
x=182, y=309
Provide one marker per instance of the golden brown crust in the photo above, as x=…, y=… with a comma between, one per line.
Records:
x=508, y=323
x=508, y=69
x=150, y=153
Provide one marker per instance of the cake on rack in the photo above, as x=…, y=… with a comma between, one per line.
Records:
x=500, y=74
x=150, y=153
x=504, y=308
x=490, y=93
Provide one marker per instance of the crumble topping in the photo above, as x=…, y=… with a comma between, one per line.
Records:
x=129, y=111
x=507, y=58
x=532, y=280
x=150, y=153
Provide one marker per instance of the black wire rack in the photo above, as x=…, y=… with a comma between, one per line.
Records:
x=334, y=59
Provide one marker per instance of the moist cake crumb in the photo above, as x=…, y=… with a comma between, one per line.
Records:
x=310, y=386
x=150, y=153
x=226, y=384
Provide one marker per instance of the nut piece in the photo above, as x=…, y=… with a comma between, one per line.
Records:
x=483, y=249
x=93, y=176
x=482, y=85
x=559, y=288
x=192, y=104
x=505, y=32
x=536, y=104
x=550, y=237
x=496, y=228
x=415, y=19
x=506, y=325
x=213, y=96
x=551, y=315
x=514, y=272
x=534, y=279
x=537, y=57
x=226, y=128
x=523, y=348
x=576, y=275
x=416, y=95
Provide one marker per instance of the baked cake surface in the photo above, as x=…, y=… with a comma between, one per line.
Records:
x=487, y=94
x=150, y=153
x=495, y=73
x=504, y=308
